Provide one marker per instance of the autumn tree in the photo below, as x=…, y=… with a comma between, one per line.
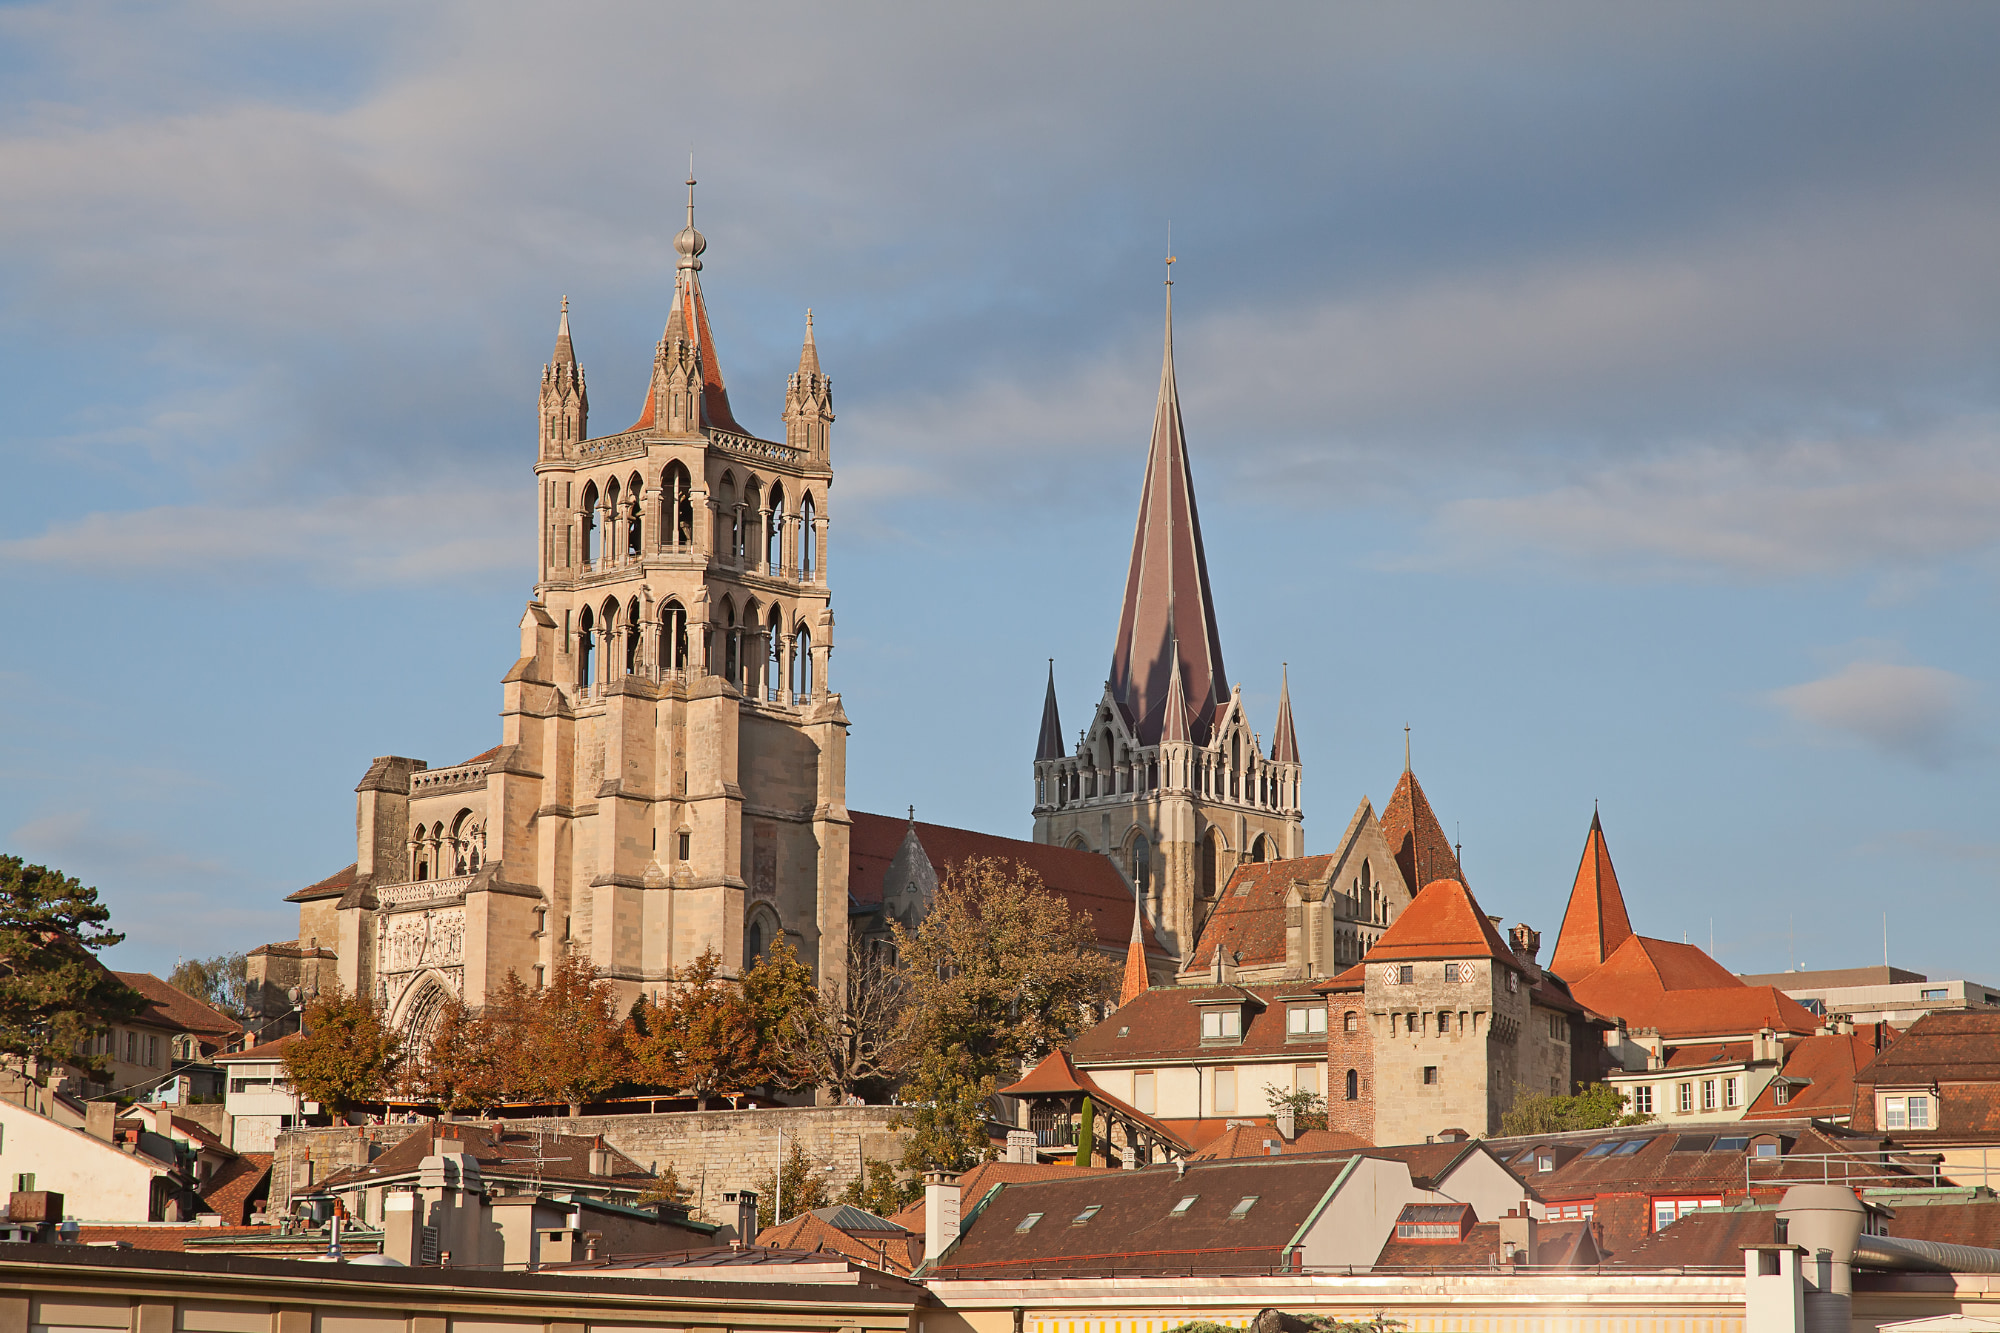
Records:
x=879, y=1190
x=568, y=1044
x=701, y=1036
x=778, y=989
x=463, y=1067
x=55, y=997
x=1000, y=973
x=844, y=1040
x=804, y=1189
x=346, y=1054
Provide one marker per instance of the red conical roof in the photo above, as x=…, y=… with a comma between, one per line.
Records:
x=714, y=397
x=1169, y=613
x=1595, y=923
x=1444, y=921
x=1422, y=850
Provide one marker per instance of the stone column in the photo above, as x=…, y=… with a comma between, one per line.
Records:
x=819, y=548
x=758, y=561
x=704, y=521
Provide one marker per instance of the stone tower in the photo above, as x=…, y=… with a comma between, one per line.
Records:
x=1168, y=778
x=671, y=776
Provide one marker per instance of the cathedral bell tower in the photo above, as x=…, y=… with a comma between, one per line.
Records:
x=1168, y=778
x=673, y=770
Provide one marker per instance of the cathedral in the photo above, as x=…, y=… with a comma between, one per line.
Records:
x=671, y=772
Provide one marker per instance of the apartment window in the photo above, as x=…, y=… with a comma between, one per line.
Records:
x=1142, y=1091
x=1225, y=1092
x=1305, y=1021
x=1708, y=1086
x=1430, y=1075
x=541, y=976
x=1545, y=1163
x=131, y=1048
x=1642, y=1100
x=1732, y=1091
x=1685, y=1097
x=1666, y=1211
x=1305, y=1078
x=1937, y=995
x=1350, y=1022
x=1920, y=1113
x=1571, y=1212
x=1221, y=1024
x=1781, y=1093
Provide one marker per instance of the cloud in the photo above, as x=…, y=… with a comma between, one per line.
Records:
x=1754, y=511
x=1918, y=713
x=439, y=536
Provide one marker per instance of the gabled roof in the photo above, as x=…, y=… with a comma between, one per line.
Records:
x=229, y=1191
x=1682, y=992
x=1415, y=837
x=170, y=1005
x=1443, y=921
x=1055, y=1076
x=1262, y=1140
x=269, y=1050
x=886, y=1246
x=1819, y=1074
x=1169, y=612
x=1249, y=915
x=1163, y=1026
x=333, y=886
x=1596, y=922
x=973, y=1185
x=1090, y=883
x=1954, y=1047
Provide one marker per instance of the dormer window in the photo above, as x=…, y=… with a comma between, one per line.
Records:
x=1222, y=1024
x=1305, y=1021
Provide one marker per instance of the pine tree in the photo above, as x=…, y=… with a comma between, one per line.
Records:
x=55, y=997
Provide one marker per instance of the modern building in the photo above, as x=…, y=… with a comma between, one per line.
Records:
x=1877, y=994
x=259, y=1096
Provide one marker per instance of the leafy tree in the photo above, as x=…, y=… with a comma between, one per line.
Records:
x=1000, y=973
x=463, y=1067
x=1598, y=1106
x=777, y=990
x=346, y=1055
x=805, y=1189
x=55, y=997
x=570, y=1045
x=664, y=1188
x=851, y=1046
x=1308, y=1108
x=879, y=1190
x=702, y=1036
x=221, y=982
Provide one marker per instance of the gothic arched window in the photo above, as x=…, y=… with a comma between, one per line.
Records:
x=774, y=531
x=802, y=664
x=731, y=658
x=588, y=521
x=586, y=645
x=634, y=526
x=1353, y=1086
x=674, y=636
x=774, y=656
x=808, y=543
x=676, y=507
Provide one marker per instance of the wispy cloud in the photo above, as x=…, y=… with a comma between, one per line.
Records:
x=1918, y=713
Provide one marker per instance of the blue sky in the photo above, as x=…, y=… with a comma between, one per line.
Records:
x=1608, y=394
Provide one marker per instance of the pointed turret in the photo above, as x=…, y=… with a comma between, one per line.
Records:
x=1284, y=737
x=1595, y=923
x=1136, y=982
x=808, y=400
x=1168, y=618
x=565, y=405
x=687, y=392
x=1175, y=725
x=1422, y=850
x=1050, y=744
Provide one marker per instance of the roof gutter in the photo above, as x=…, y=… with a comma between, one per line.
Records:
x=1291, y=1250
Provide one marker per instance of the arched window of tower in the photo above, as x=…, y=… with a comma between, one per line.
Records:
x=634, y=527
x=774, y=532
x=632, y=638
x=673, y=635
x=802, y=664
x=612, y=540
x=1211, y=855
x=731, y=643
x=808, y=540
x=586, y=645
x=587, y=524
x=774, y=656
x=676, y=507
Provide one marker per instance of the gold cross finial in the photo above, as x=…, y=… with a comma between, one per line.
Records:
x=1170, y=254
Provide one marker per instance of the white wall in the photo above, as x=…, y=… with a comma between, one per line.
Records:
x=98, y=1182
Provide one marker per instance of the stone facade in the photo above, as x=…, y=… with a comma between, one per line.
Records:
x=671, y=773
x=710, y=1151
x=1450, y=1039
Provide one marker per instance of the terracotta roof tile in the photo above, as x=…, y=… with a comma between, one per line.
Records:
x=1957, y=1047
x=1165, y=1025
x=1249, y=916
x=1416, y=837
x=333, y=886
x=1055, y=1076
x=1263, y=1140
x=1682, y=992
x=164, y=1237
x=174, y=1007
x=229, y=1192
x=1443, y=921
x=1595, y=923
x=1827, y=1062
x=897, y=1252
x=270, y=1050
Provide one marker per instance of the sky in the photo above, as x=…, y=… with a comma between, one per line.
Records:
x=1605, y=393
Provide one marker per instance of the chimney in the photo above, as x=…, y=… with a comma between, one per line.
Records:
x=746, y=1214
x=940, y=1213
x=99, y=1118
x=401, y=1231
x=1517, y=1236
x=600, y=1157
x=1287, y=1122
x=1020, y=1146
x=590, y=1239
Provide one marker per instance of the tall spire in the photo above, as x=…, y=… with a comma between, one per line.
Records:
x=809, y=354
x=1050, y=745
x=1136, y=982
x=565, y=353
x=1174, y=723
x=1284, y=737
x=1416, y=837
x=1595, y=923
x=1168, y=618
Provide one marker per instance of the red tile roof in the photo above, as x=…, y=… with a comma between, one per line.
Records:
x=1249, y=917
x=230, y=1190
x=270, y=1050
x=1164, y=1025
x=165, y=1237
x=1090, y=883
x=1596, y=922
x=1416, y=836
x=333, y=886
x=1443, y=921
x=1828, y=1063
x=1557, y=1245
x=714, y=397
x=1055, y=1076
x=1682, y=992
x=1263, y=1140
x=898, y=1252
x=174, y=1007
x=1955, y=1047
x=973, y=1185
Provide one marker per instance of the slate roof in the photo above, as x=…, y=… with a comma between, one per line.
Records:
x=1164, y=1026
x=1134, y=1230
x=564, y=1158
x=973, y=1185
x=1249, y=915
x=1090, y=883
x=1557, y=1245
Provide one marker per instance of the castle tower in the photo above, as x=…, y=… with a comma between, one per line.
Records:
x=1168, y=777
x=671, y=776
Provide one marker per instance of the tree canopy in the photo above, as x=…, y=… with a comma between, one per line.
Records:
x=56, y=998
x=347, y=1053
x=1598, y=1106
x=221, y=982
